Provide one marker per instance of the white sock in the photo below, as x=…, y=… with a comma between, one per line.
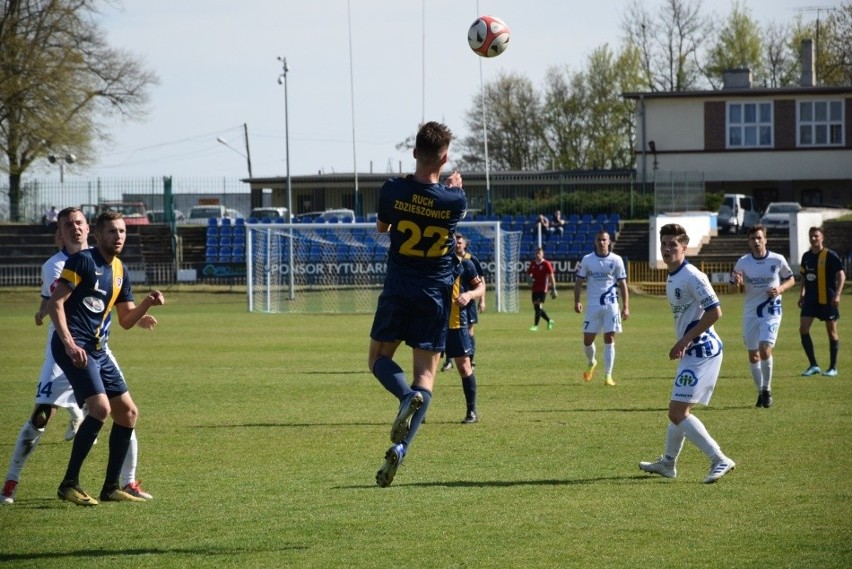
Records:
x=756, y=374
x=131, y=459
x=28, y=439
x=694, y=430
x=609, y=357
x=674, y=442
x=766, y=368
x=590, y=353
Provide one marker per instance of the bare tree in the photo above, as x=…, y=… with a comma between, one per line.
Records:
x=780, y=64
x=670, y=44
x=59, y=82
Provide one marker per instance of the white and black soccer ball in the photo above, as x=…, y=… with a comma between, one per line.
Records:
x=488, y=36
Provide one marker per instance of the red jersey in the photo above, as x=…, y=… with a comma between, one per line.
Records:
x=540, y=273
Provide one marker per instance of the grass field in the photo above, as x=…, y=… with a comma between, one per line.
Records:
x=260, y=436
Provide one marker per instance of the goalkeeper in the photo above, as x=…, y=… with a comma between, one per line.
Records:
x=540, y=276
x=420, y=215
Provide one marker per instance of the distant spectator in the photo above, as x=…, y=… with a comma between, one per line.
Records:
x=50, y=218
x=558, y=223
x=544, y=224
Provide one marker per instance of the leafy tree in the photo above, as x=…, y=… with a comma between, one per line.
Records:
x=738, y=45
x=834, y=57
x=59, y=82
x=512, y=113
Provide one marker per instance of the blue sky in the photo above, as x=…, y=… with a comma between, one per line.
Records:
x=217, y=62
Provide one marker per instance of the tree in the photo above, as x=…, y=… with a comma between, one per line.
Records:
x=669, y=46
x=512, y=113
x=834, y=36
x=59, y=82
x=738, y=45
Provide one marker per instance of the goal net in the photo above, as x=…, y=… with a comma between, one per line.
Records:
x=340, y=267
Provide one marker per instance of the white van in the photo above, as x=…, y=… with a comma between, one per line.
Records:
x=737, y=213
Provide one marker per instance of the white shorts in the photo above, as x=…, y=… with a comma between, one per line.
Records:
x=53, y=386
x=758, y=331
x=602, y=318
x=696, y=379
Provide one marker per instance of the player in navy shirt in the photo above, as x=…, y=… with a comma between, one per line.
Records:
x=420, y=215
x=91, y=283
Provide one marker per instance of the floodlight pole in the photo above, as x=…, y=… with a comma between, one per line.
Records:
x=283, y=79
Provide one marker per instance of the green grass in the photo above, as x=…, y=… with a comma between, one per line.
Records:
x=260, y=436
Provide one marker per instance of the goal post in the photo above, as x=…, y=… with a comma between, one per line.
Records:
x=340, y=268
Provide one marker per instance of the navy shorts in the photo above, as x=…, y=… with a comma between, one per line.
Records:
x=101, y=374
x=412, y=313
x=473, y=312
x=824, y=312
x=458, y=343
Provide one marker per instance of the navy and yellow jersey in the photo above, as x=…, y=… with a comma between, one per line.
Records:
x=819, y=275
x=422, y=219
x=473, y=307
x=96, y=286
x=465, y=281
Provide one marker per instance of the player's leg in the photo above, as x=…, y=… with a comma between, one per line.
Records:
x=756, y=372
x=833, y=344
x=807, y=343
x=609, y=357
x=591, y=327
x=458, y=341
x=124, y=414
x=27, y=441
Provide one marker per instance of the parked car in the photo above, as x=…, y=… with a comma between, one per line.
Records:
x=199, y=214
x=737, y=213
x=134, y=213
x=159, y=216
x=329, y=215
x=273, y=213
x=777, y=215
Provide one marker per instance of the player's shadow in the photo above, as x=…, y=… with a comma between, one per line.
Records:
x=81, y=555
x=632, y=479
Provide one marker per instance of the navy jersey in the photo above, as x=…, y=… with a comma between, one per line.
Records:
x=819, y=275
x=96, y=287
x=473, y=307
x=467, y=280
x=423, y=219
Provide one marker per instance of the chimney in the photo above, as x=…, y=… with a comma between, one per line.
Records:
x=736, y=79
x=808, y=78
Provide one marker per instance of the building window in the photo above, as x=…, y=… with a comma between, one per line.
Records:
x=820, y=123
x=750, y=125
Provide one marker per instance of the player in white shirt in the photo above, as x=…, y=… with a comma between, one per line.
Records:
x=53, y=389
x=696, y=308
x=605, y=278
x=765, y=276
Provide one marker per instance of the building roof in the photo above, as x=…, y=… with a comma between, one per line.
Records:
x=740, y=93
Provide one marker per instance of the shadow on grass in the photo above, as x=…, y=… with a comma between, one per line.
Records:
x=511, y=483
x=83, y=554
x=698, y=408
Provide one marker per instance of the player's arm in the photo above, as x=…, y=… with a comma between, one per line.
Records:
x=710, y=317
x=553, y=284
x=476, y=292
x=382, y=227
x=129, y=314
x=56, y=309
x=625, y=299
x=840, y=281
x=42, y=312
x=578, y=291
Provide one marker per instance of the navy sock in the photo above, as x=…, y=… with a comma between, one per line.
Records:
x=119, y=442
x=473, y=347
x=808, y=345
x=469, y=388
x=833, y=346
x=391, y=376
x=83, y=441
x=417, y=418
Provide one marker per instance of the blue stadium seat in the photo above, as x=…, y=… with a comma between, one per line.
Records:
x=573, y=219
x=586, y=219
x=601, y=219
x=615, y=218
x=224, y=241
x=241, y=221
x=253, y=220
x=238, y=253
x=211, y=254
x=213, y=241
x=212, y=231
x=212, y=221
x=226, y=221
x=224, y=252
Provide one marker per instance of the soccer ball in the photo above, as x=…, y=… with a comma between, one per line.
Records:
x=488, y=36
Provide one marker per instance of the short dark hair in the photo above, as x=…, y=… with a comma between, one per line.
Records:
x=755, y=228
x=432, y=139
x=814, y=229
x=66, y=213
x=677, y=230
x=106, y=217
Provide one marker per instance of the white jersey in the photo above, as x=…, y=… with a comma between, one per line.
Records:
x=50, y=271
x=602, y=275
x=759, y=275
x=690, y=293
